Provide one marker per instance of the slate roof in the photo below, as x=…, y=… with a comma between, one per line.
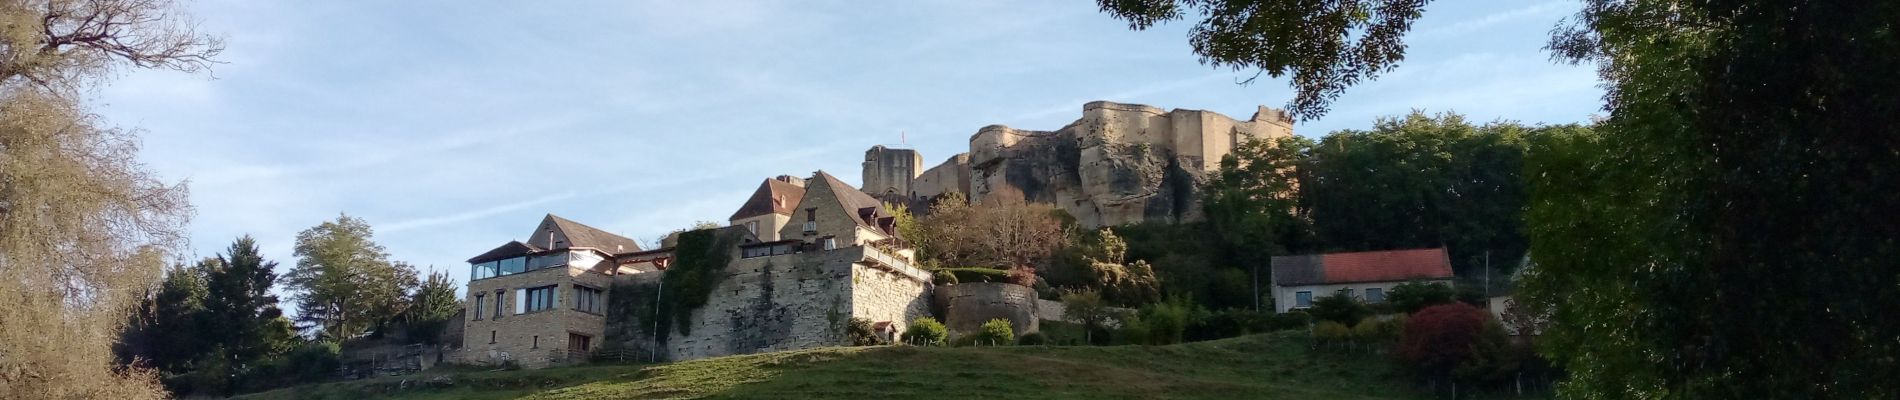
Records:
x=761, y=201
x=866, y=210
x=591, y=237
x=1364, y=266
x=508, y=250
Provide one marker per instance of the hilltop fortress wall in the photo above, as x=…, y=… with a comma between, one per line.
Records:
x=1118, y=164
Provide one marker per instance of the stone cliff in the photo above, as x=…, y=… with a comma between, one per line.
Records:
x=1118, y=164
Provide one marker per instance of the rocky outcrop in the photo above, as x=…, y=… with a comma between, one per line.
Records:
x=1118, y=164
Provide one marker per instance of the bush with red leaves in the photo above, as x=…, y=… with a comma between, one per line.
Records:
x=1439, y=338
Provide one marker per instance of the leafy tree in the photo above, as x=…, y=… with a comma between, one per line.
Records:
x=170, y=330
x=1325, y=46
x=1012, y=236
x=344, y=283
x=1440, y=338
x=1166, y=322
x=1251, y=204
x=1340, y=307
x=1729, y=232
x=1421, y=181
x=1085, y=307
x=432, y=308
x=84, y=228
x=1410, y=297
x=858, y=332
x=1096, y=260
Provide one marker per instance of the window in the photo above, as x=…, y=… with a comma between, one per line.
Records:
x=811, y=214
x=831, y=243
x=1375, y=295
x=1303, y=299
x=513, y=266
x=587, y=299
x=491, y=337
x=1348, y=292
x=498, y=293
x=536, y=344
x=482, y=270
x=478, y=307
x=540, y=298
x=547, y=261
x=752, y=226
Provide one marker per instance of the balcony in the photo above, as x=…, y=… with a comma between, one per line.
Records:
x=892, y=262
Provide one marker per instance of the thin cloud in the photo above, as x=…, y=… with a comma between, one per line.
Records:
x=1493, y=19
x=399, y=226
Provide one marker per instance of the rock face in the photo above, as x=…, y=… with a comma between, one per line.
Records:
x=1118, y=164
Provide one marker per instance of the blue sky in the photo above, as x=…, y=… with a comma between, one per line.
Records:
x=453, y=126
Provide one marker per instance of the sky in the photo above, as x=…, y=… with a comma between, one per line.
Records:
x=454, y=126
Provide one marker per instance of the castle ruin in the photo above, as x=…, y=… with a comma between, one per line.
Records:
x=1118, y=164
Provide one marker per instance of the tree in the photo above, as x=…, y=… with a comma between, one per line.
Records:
x=1439, y=339
x=344, y=283
x=169, y=332
x=240, y=306
x=1085, y=307
x=1421, y=181
x=926, y=331
x=1729, y=230
x=1015, y=236
x=1410, y=297
x=1340, y=307
x=1252, y=202
x=1325, y=46
x=432, y=308
x=84, y=228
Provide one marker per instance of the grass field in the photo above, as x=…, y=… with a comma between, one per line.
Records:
x=1273, y=366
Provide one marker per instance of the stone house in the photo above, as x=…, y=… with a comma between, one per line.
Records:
x=1367, y=275
x=541, y=301
x=801, y=258
x=837, y=257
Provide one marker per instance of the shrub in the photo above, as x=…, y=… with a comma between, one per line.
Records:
x=978, y=274
x=1031, y=339
x=996, y=332
x=1340, y=307
x=1410, y=297
x=1439, y=338
x=1329, y=332
x=859, y=333
x=1167, y=321
x=1228, y=323
x=1368, y=330
x=943, y=277
x=1394, y=327
x=1289, y=320
x=926, y=331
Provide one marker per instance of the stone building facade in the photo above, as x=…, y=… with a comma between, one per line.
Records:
x=1117, y=164
x=541, y=302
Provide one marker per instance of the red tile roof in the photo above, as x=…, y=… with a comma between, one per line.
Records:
x=1391, y=265
x=1365, y=266
x=773, y=196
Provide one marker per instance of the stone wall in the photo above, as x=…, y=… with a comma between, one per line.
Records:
x=966, y=306
x=1117, y=164
x=776, y=303
x=534, y=339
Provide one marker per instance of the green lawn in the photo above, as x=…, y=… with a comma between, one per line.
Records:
x=1259, y=366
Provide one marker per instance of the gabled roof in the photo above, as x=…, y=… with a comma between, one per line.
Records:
x=557, y=233
x=511, y=249
x=761, y=201
x=866, y=210
x=1364, y=266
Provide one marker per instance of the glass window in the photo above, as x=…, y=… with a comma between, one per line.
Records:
x=752, y=226
x=1348, y=292
x=482, y=270
x=498, y=296
x=478, y=307
x=540, y=298
x=1303, y=299
x=585, y=259
x=831, y=243
x=1375, y=295
x=587, y=299
x=513, y=266
x=548, y=261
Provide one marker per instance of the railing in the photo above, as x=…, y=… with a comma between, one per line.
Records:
x=894, y=263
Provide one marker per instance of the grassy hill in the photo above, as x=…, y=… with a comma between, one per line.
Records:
x=1259, y=366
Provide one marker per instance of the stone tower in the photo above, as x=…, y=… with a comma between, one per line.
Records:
x=888, y=172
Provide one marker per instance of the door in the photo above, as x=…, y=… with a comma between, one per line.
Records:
x=577, y=345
